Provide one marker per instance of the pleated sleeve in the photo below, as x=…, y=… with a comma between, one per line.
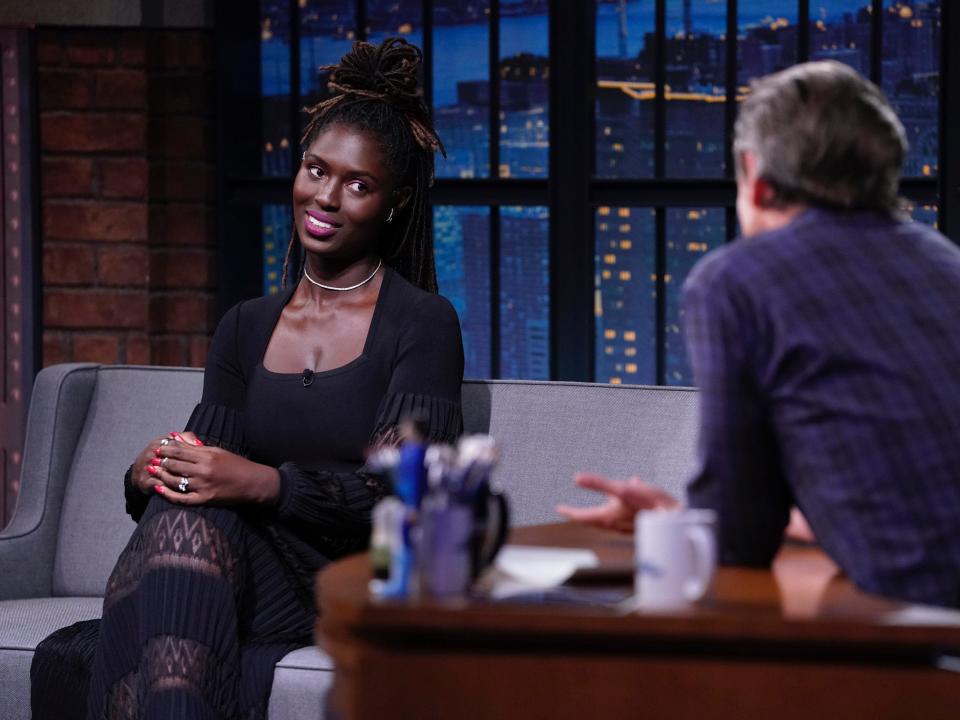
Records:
x=217, y=419
x=218, y=425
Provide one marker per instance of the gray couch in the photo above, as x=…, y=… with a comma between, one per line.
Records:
x=88, y=421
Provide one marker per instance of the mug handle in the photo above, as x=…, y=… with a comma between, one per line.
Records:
x=493, y=540
x=705, y=560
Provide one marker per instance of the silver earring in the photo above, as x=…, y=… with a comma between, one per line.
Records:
x=304, y=156
x=390, y=216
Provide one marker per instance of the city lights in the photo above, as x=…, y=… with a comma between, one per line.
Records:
x=695, y=146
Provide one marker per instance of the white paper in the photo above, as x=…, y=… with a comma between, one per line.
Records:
x=543, y=567
x=924, y=616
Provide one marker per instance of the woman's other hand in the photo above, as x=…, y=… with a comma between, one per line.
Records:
x=190, y=474
x=624, y=499
x=144, y=480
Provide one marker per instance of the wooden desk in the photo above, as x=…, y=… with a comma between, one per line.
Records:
x=797, y=642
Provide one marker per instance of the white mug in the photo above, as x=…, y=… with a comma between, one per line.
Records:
x=676, y=553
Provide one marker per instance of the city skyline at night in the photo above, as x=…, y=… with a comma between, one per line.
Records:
x=695, y=145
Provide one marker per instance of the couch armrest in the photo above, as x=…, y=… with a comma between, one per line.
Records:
x=58, y=409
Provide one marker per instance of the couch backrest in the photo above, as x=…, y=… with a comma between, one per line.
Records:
x=129, y=406
x=550, y=430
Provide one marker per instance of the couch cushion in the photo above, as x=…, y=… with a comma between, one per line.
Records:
x=549, y=431
x=300, y=685
x=23, y=624
x=130, y=406
x=308, y=658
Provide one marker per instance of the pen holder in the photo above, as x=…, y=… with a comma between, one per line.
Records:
x=459, y=539
x=446, y=524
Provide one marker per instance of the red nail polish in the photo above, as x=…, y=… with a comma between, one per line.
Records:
x=198, y=442
x=156, y=451
x=153, y=469
x=155, y=461
x=158, y=488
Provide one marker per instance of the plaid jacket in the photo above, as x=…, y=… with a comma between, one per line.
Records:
x=828, y=358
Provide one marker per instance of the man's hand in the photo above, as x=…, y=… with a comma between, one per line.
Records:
x=624, y=499
x=799, y=529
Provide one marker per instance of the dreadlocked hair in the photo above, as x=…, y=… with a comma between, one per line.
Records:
x=375, y=90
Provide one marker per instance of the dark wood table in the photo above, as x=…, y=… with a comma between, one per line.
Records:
x=795, y=642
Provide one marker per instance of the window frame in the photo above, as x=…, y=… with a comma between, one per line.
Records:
x=572, y=202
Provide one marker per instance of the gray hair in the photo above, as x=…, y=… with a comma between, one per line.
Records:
x=823, y=135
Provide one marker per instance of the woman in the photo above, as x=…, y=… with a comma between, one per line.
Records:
x=266, y=485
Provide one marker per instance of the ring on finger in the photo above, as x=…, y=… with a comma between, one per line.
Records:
x=184, y=485
x=165, y=441
x=163, y=462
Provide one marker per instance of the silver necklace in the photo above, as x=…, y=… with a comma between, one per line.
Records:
x=343, y=289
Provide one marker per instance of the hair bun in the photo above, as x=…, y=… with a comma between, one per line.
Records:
x=383, y=73
x=387, y=71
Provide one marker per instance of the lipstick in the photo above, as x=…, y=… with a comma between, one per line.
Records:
x=319, y=225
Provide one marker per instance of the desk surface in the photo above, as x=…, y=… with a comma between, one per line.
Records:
x=793, y=642
x=803, y=599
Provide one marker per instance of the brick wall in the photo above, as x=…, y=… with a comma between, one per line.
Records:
x=127, y=192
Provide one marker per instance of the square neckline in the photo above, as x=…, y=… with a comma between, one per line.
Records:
x=358, y=360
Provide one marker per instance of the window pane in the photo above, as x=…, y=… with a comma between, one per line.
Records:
x=911, y=78
x=461, y=87
x=462, y=249
x=524, y=95
x=696, y=88
x=525, y=293
x=327, y=31
x=275, y=87
x=767, y=33
x=276, y=236
x=691, y=234
x=399, y=18
x=626, y=293
x=840, y=30
x=625, y=90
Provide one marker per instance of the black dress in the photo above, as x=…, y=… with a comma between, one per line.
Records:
x=204, y=601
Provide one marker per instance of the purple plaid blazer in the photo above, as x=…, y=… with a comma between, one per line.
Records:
x=828, y=358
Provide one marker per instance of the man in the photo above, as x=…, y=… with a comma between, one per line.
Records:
x=826, y=344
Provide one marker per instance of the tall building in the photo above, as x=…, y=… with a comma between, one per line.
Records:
x=462, y=250
x=525, y=293
x=625, y=295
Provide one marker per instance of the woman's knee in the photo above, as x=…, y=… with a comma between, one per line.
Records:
x=197, y=538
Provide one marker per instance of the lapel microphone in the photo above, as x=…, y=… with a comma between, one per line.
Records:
x=307, y=377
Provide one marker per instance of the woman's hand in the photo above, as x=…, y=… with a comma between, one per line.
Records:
x=190, y=474
x=624, y=499
x=144, y=480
